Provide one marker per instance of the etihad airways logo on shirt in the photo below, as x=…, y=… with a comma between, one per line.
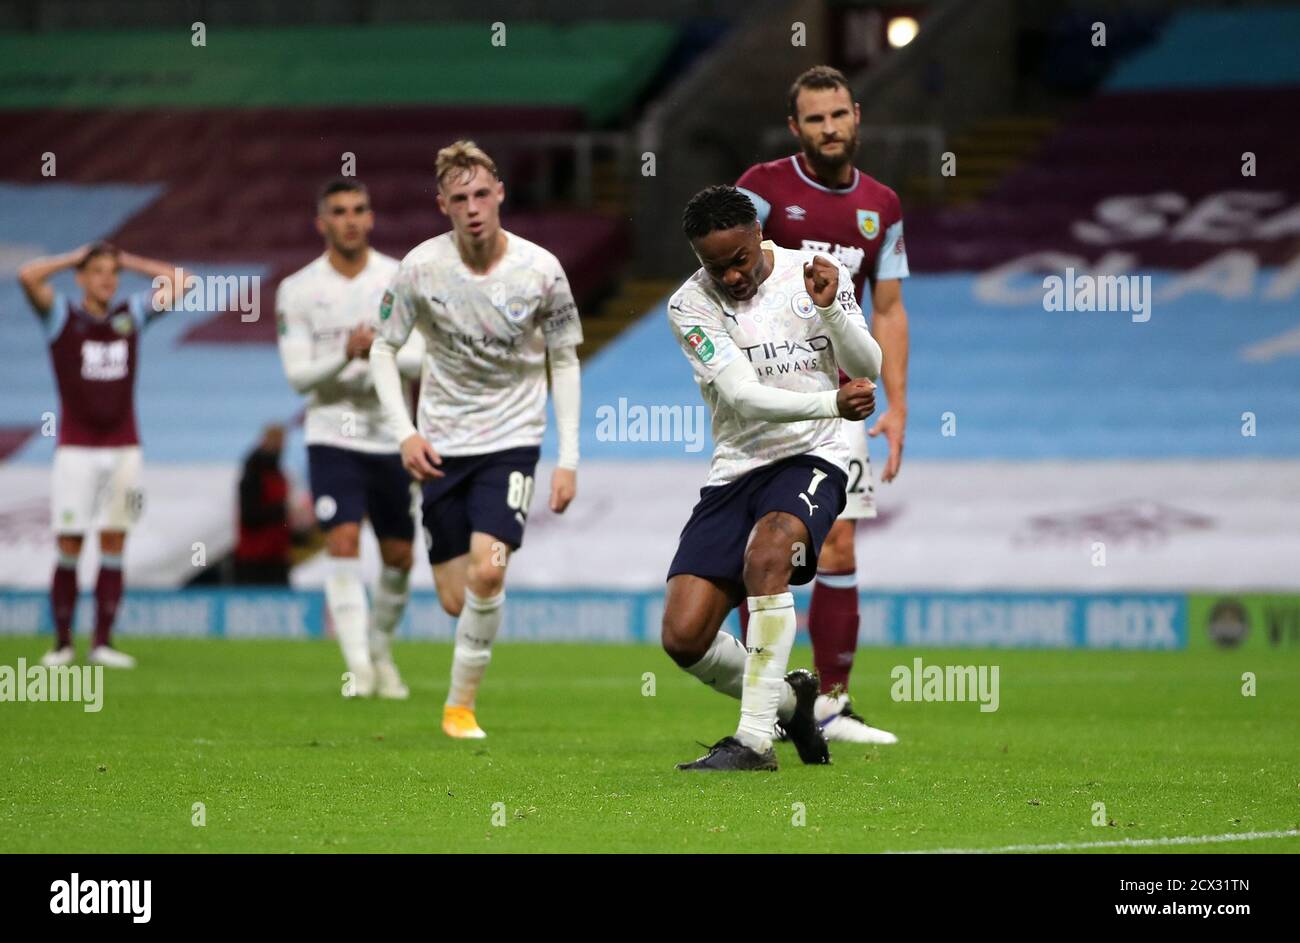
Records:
x=788, y=356
x=471, y=342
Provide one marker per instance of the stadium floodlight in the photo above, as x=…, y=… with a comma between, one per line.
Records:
x=901, y=30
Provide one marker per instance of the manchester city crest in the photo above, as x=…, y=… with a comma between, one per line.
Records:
x=516, y=309
x=869, y=223
x=802, y=305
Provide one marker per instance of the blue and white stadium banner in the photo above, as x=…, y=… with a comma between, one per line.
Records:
x=984, y=620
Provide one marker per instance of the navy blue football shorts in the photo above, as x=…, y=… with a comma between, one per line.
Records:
x=348, y=485
x=489, y=494
x=713, y=541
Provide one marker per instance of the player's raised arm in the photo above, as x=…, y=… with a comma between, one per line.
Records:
x=831, y=288
x=304, y=368
x=396, y=319
x=168, y=280
x=704, y=340
x=35, y=275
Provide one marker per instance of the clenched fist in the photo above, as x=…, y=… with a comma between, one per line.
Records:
x=821, y=277
x=856, y=399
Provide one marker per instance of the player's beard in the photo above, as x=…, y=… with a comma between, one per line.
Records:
x=828, y=169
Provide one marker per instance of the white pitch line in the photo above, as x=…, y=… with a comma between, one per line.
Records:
x=1118, y=843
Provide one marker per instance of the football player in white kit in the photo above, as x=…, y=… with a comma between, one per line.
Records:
x=766, y=331
x=493, y=308
x=325, y=314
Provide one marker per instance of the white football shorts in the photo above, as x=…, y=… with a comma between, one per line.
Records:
x=96, y=488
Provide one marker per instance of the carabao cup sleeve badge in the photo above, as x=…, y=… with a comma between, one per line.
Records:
x=700, y=343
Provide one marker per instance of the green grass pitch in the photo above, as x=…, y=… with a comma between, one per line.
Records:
x=582, y=760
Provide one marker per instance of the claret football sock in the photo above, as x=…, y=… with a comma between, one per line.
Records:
x=833, y=625
x=771, y=636
x=476, y=629
x=345, y=595
x=108, y=594
x=63, y=599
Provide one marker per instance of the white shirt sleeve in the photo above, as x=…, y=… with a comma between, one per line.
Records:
x=566, y=396
x=410, y=358
x=740, y=389
x=700, y=332
x=856, y=351
x=397, y=316
x=305, y=371
x=559, y=313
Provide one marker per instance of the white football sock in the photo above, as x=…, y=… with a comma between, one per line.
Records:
x=475, y=631
x=723, y=665
x=723, y=669
x=771, y=636
x=391, y=594
x=345, y=595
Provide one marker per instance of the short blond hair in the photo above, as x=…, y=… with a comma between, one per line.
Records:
x=460, y=158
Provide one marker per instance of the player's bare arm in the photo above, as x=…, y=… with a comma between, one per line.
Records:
x=168, y=279
x=35, y=275
x=889, y=325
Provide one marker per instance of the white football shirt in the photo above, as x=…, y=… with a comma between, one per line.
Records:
x=316, y=308
x=484, y=380
x=780, y=334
